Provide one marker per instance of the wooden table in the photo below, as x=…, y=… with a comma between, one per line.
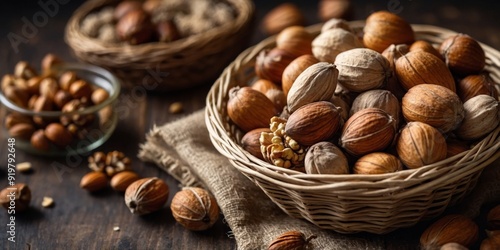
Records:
x=80, y=220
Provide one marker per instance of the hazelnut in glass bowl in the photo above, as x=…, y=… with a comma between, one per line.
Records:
x=67, y=109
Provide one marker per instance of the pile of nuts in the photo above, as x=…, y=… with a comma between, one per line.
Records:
x=192, y=207
x=377, y=102
x=136, y=22
x=50, y=91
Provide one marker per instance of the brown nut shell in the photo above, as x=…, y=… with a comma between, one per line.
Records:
x=270, y=64
x=122, y=180
x=420, y=144
x=491, y=243
x=146, y=195
x=384, y=28
x=58, y=134
x=290, y=240
x=481, y=116
x=435, y=105
x=325, y=158
x=294, y=69
x=450, y=228
x=39, y=141
x=377, y=98
x=377, y=163
x=296, y=40
x=474, y=85
x=282, y=16
x=195, y=208
x=22, y=131
x=313, y=122
x=425, y=46
x=368, y=130
x=135, y=27
x=94, y=181
x=463, y=55
x=420, y=67
x=20, y=193
x=250, y=141
x=249, y=109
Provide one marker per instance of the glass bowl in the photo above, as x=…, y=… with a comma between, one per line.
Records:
x=101, y=122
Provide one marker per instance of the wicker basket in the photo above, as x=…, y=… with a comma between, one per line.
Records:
x=180, y=64
x=352, y=203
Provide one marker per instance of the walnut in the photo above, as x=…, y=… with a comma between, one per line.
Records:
x=110, y=163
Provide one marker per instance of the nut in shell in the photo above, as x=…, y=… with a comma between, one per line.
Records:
x=474, y=85
x=122, y=180
x=420, y=144
x=146, y=195
x=384, y=28
x=270, y=64
x=377, y=98
x=420, y=67
x=425, y=46
x=295, y=39
x=362, y=69
x=330, y=9
x=17, y=196
x=195, y=208
x=435, y=105
x=58, y=134
x=291, y=240
x=94, y=181
x=135, y=27
x=368, y=130
x=316, y=83
x=282, y=16
x=293, y=70
x=336, y=23
x=482, y=115
x=377, y=163
x=313, y=122
x=325, y=158
x=328, y=44
x=250, y=141
x=450, y=228
x=463, y=55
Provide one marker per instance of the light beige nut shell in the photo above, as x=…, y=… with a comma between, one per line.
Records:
x=482, y=115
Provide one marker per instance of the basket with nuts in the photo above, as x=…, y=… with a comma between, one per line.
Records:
x=65, y=109
x=376, y=118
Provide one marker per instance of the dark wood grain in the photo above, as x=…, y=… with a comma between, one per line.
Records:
x=80, y=220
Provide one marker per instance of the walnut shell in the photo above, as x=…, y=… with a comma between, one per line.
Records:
x=420, y=144
x=368, y=130
x=419, y=67
x=195, y=208
x=450, y=228
x=435, y=105
x=362, y=69
x=249, y=109
x=294, y=69
x=384, y=28
x=377, y=98
x=325, y=158
x=316, y=83
x=313, y=122
x=482, y=115
x=327, y=45
x=291, y=240
x=377, y=163
x=463, y=55
x=146, y=195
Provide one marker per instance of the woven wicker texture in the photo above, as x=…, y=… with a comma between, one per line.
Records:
x=352, y=203
x=180, y=64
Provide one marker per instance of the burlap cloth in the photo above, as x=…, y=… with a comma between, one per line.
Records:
x=183, y=149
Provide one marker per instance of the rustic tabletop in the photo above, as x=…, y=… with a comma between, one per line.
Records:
x=80, y=220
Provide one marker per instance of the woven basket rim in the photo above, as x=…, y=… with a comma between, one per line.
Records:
x=85, y=44
x=486, y=150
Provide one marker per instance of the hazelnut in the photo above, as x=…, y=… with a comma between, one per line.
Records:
x=291, y=240
x=17, y=95
x=270, y=64
x=16, y=118
x=99, y=95
x=94, y=181
x=282, y=16
x=7, y=81
x=250, y=141
x=122, y=180
x=249, y=109
x=493, y=218
x=48, y=88
x=39, y=141
x=420, y=144
x=328, y=9
x=22, y=130
x=263, y=85
x=377, y=163
x=48, y=62
x=313, y=122
x=135, y=27
x=16, y=197
x=33, y=85
x=293, y=70
x=433, y=104
x=167, y=31
x=450, y=228
x=66, y=79
x=463, y=55
x=146, y=195
x=42, y=103
x=296, y=40
x=125, y=7
x=80, y=89
x=325, y=158
x=425, y=46
x=24, y=70
x=368, y=130
x=383, y=28
x=62, y=97
x=195, y=208
x=58, y=134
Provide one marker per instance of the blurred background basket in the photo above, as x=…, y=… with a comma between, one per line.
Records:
x=352, y=203
x=179, y=64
